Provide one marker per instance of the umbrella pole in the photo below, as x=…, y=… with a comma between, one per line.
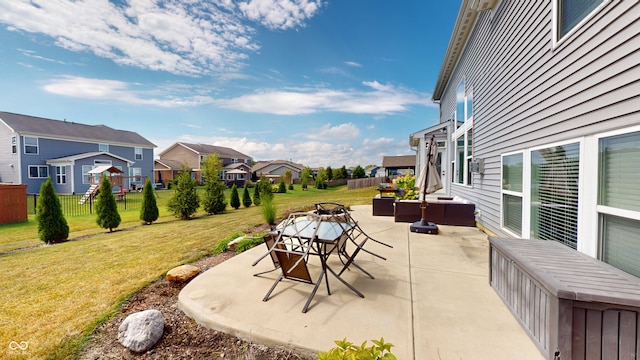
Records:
x=424, y=226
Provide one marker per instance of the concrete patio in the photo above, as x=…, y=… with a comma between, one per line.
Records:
x=431, y=298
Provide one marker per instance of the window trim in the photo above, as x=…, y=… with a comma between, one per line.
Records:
x=520, y=194
x=137, y=151
x=61, y=175
x=39, y=167
x=555, y=23
x=461, y=131
x=14, y=144
x=37, y=145
x=100, y=146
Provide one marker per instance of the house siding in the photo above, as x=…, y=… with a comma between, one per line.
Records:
x=528, y=91
x=183, y=155
x=8, y=174
x=49, y=149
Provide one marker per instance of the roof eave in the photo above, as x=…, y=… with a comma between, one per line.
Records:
x=464, y=24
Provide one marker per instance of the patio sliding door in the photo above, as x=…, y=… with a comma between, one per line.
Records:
x=619, y=201
x=554, y=193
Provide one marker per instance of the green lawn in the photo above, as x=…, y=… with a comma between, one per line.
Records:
x=54, y=296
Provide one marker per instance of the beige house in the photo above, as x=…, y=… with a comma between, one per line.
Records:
x=236, y=166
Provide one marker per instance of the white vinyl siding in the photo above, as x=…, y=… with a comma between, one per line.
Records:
x=619, y=201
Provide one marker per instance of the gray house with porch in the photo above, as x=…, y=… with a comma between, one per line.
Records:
x=37, y=148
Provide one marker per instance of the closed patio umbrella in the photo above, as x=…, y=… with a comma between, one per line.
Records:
x=428, y=182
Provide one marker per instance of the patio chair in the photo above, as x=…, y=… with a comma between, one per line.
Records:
x=270, y=242
x=291, y=248
x=353, y=232
x=358, y=238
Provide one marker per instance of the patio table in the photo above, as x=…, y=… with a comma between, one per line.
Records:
x=311, y=236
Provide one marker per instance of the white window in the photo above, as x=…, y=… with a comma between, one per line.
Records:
x=619, y=201
x=61, y=174
x=30, y=145
x=512, y=192
x=234, y=160
x=102, y=162
x=14, y=144
x=38, y=171
x=463, y=136
x=138, y=153
x=554, y=193
x=570, y=13
x=103, y=147
x=86, y=177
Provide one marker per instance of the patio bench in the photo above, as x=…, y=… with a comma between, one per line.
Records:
x=571, y=305
x=451, y=211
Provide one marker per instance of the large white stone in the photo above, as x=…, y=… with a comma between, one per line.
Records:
x=140, y=331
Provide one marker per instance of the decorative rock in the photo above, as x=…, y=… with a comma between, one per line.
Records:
x=182, y=273
x=140, y=331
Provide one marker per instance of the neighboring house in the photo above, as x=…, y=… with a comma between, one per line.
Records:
x=541, y=101
x=399, y=165
x=275, y=169
x=371, y=170
x=236, y=166
x=36, y=148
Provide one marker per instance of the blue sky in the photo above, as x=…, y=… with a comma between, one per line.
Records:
x=322, y=83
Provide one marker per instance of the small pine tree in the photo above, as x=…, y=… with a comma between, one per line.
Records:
x=282, y=188
x=184, y=202
x=106, y=206
x=214, y=201
x=256, y=194
x=246, y=198
x=235, y=198
x=149, y=208
x=290, y=186
x=52, y=226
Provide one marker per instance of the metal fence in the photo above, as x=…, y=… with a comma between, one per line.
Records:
x=71, y=205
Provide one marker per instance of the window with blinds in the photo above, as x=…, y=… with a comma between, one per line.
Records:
x=571, y=13
x=512, y=193
x=618, y=189
x=554, y=194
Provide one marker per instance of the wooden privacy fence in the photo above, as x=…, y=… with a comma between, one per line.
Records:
x=367, y=182
x=13, y=203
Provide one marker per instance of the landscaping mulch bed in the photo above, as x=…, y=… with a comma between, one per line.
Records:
x=183, y=338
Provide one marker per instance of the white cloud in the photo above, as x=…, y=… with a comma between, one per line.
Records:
x=280, y=14
x=353, y=64
x=101, y=89
x=190, y=38
x=381, y=99
x=339, y=132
